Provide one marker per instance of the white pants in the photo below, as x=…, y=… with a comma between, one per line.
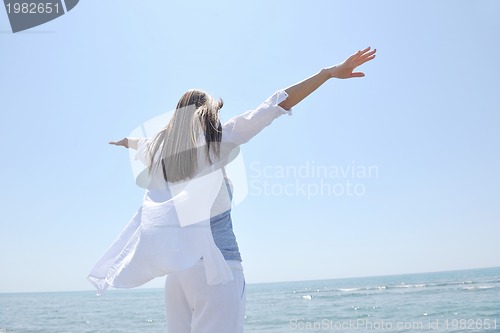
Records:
x=193, y=306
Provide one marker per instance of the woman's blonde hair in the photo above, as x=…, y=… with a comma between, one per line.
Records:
x=195, y=125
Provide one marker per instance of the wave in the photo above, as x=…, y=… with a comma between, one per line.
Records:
x=478, y=287
x=466, y=285
x=397, y=286
x=413, y=287
x=350, y=289
x=404, y=285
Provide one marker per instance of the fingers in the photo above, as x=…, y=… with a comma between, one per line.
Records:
x=362, y=61
x=353, y=57
x=363, y=56
x=121, y=143
x=359, y=53
x=365, y=50
x=357, y=74
x=367, y=56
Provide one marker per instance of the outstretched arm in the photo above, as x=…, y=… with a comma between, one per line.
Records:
x=345, y=70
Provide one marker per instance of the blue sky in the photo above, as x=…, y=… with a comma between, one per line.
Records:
x=425, y=117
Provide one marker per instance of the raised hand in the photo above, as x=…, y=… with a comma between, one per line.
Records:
x=122, y=143
x=346, y=69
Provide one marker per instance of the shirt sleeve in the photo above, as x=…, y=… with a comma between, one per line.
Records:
x=242, y=128
x=142, y=153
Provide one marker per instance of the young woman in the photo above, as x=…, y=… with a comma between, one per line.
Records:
x=184, y=227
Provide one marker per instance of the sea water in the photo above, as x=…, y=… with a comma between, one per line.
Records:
x=458, y=301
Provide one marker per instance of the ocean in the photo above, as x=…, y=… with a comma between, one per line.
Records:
x=458, y=301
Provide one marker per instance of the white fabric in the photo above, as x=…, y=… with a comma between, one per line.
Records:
x=193, y=306
x=171, y=230
x=241, y=129
x=166, y=236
